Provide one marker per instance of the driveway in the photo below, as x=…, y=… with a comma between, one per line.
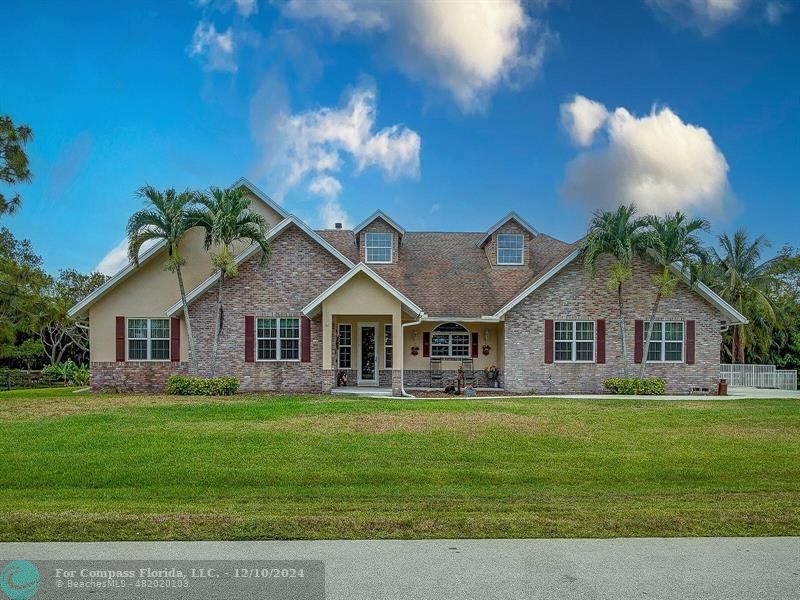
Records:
x=677, y=568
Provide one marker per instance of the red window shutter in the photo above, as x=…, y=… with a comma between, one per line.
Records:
x=249, y=339
x=601, y=341
x=174, y=339
x=120, y=339
x=638, y=341
x=548, y=341
x=474, y=345
x=426, y=343
x=690, y=342
x=305, y=339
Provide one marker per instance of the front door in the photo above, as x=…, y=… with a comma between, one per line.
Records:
x=367, y=355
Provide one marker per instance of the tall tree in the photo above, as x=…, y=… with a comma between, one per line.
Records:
x=63, y=336
x=618, y=234
x=672, y=242
x=227, y=219
x=167, y=217
x=13, y=160
x=23, y=288
x=744, y=280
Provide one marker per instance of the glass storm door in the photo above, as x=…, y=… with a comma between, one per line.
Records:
x=367, y=358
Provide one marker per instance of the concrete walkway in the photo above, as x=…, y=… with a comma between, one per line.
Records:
x=677, y=568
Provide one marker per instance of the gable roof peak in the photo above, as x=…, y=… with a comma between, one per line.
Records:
x=258, y=193
x=512, y=216
x=378, y=214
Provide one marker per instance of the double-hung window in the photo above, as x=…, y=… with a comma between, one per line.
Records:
x=510, y=249
x=450, y=340
x=388, y=345
x=148, y=339
x=378, y=247
x=345, y=346
x=574, y=341
x=278, y=338
x=666, y=342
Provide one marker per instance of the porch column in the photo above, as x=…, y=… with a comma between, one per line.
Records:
x=328, y=375
x=397, y=349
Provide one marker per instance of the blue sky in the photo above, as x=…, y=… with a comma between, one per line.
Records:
x=445, y=118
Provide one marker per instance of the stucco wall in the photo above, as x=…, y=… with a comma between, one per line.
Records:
x=574, y=295
x=360, y=299
x=151, y=289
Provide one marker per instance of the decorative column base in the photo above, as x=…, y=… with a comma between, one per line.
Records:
x=328, y=380
x=396, y=377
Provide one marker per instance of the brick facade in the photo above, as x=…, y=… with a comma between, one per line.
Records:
x=133, y=376
x=298, y=271
x=490, y=247
x=379, y=226
x=574, y=295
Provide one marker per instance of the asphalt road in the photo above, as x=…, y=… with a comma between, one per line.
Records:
x=677, y=568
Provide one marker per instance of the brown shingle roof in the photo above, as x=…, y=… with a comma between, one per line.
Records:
x=447, y=274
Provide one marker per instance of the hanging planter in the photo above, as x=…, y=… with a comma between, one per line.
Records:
x=414, y=350
x=486, y=349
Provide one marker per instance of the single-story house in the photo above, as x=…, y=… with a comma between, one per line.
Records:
x=386, y=306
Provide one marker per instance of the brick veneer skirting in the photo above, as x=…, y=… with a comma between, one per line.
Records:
x=133, y=376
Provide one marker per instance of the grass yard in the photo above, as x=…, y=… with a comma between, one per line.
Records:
x=87, y=467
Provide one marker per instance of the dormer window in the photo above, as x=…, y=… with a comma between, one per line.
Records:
x=510, y=248
x=378, y=247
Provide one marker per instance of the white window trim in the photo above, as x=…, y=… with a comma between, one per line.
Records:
x=662, y=342
x=497, y=250
x=450, y=354
x=388, y=350
x=148, y=339
x=340, y=345
x=391, y=248
x=277, y=339
x=575, y=340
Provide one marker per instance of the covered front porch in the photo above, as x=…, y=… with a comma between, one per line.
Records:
x=375, y=338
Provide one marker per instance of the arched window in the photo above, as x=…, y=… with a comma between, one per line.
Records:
x=450, y=340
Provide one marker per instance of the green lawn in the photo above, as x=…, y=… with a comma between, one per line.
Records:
x=87, y=467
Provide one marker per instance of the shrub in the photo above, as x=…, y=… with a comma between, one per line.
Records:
x=69, y=373
x=182, y=385
x=631, y=386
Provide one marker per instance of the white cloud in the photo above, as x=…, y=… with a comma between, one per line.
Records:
x=325, y=186
x=317, y=141
x=212, y=48
x=246, y=7
x=117, y=258
x=656, y=161
x=774, y=11
x=435, y=207
x=709, y=16
x=340, y=15
x=582, y=118
x=331, y=212
x=466, y=50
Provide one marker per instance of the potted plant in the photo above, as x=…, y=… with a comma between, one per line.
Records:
x=486, y=349
x=414, y=350
x=491, y=374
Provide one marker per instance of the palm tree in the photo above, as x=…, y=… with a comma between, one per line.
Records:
x=618, y=234
x=166, y=217
x=227, y=219
x=745, y=281
x=672, y=242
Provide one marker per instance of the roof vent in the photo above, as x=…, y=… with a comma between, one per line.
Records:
x=338, y=225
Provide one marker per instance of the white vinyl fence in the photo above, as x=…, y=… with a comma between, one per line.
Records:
x=759, y=376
